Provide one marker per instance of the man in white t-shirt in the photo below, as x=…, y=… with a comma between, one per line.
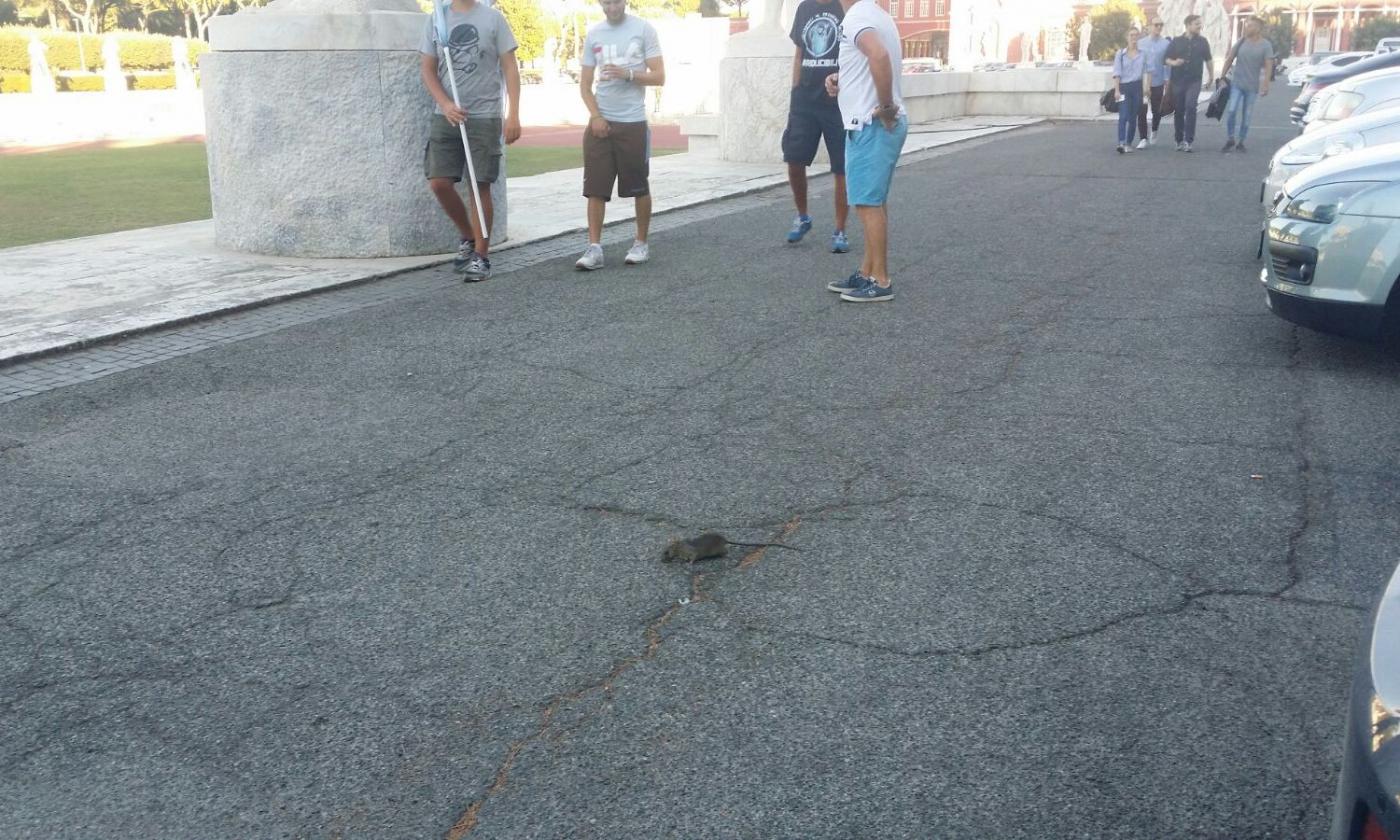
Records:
x=867, y=89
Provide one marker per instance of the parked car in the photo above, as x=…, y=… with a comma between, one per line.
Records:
x=1351, y=135
x=1386, y=45
x=1333, y=239
x=1353, y=97
x=1301, y=75
x=1367, y=803
x=1326, y=79
x=1293, y=62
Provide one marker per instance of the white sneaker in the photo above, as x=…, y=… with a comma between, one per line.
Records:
x=1142, y=144
x=1152, y=139
x=592, y=259
x=638, y=254
x=1127, y=150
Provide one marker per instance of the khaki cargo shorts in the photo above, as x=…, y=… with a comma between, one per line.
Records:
x=445, y=158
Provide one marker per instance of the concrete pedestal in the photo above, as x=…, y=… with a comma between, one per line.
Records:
x=316, y=122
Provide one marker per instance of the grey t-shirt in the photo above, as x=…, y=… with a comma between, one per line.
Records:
x=1249, y=63
x=479, y=38
x=627, y=45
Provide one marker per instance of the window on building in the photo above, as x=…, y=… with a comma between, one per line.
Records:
x=940, y=8
x=908, y=8
x=923, y=8
x=894, y=8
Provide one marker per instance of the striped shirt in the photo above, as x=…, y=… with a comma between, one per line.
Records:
x=1128, y=68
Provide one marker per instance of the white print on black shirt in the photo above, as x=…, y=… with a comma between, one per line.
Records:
x=819, y=38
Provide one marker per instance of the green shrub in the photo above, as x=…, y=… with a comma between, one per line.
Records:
x=14, y=83
x=135, y=50
x=85, y=83
x=153, y=81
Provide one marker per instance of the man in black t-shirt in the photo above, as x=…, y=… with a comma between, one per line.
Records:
x=813, y=114
x=1189, y=59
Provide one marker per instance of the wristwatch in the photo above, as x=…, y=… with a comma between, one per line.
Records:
x=629, y=74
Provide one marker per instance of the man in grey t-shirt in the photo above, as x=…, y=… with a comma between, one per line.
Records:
x=1253, y=62
x=623, y=53
x=482, y=48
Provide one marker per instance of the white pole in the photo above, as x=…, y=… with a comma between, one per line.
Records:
x=466, y=146
x=444, y=38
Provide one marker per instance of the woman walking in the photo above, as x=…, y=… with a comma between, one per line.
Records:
x=1129, y=76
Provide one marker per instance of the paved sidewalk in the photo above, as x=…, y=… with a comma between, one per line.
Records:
x=71, y=293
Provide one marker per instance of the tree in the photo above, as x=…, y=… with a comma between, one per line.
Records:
x=1280, y=30
x=1370, y=33
x=664, y=8
x=9, y=14
x=528, y=25
x=1111, y=19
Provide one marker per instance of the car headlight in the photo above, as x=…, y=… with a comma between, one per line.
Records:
x=1342, y=144
x=1323, y=203
x=1301, y=154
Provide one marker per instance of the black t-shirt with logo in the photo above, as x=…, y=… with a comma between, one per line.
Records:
x=816, y=30
x=1196, y=50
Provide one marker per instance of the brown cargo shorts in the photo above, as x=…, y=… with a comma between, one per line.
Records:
x=445, y=158
x=623, y=156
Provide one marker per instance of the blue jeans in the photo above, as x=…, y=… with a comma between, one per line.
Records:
x=1128, y=111
x=1241, y=102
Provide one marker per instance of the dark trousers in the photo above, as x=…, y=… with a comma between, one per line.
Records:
x=1184, y=120
x=1156, y=98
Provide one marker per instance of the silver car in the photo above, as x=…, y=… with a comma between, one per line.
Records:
x=1333, y=241
x=1354, y=97
x=1367, y=805
x=1351, y=135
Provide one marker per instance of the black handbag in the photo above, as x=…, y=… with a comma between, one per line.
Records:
x=1109, y=101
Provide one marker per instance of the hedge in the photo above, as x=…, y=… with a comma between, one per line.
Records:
x=135, y=50
x=81, y=84
x=154, y=81
x=14, y=83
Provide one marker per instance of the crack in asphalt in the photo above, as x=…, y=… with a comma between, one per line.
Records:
x=653, y=641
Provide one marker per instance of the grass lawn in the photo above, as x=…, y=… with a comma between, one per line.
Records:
x=81, y=192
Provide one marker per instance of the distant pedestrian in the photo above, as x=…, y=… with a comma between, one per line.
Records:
x=482, y=48
x=1252, y=62
x=624, y=53
x=1190, y=60
x=813, y=116
x=1154, y=46
x=872, y=109
x=1129, y=70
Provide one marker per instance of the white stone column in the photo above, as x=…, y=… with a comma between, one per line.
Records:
x=755, y=87
x=317, y=122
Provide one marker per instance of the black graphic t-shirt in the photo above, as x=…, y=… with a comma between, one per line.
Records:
x=817, y=32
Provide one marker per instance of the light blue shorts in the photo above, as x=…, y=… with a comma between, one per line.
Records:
x=871, y=155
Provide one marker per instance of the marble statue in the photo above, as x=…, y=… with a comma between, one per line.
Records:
x=180, y=58
x=113, y=79
x=1028, y=40
x=768, y=13
x=1086, y=33
x=1215, y=26
x=40, y=77
x=1173, y=13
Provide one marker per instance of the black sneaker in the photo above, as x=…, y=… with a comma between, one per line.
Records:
x=1229, y=145
x=1239, y=147
x=478, y=269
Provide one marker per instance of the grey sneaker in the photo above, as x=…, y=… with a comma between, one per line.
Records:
x=592, y=259
x=1229, y=145
x=637, y=254
x=1186, y=147
x=478, y=269
x=464, y=255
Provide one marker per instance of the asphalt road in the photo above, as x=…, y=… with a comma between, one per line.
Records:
x=1087, y=536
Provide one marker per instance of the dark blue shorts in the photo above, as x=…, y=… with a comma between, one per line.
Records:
x=810, y=120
